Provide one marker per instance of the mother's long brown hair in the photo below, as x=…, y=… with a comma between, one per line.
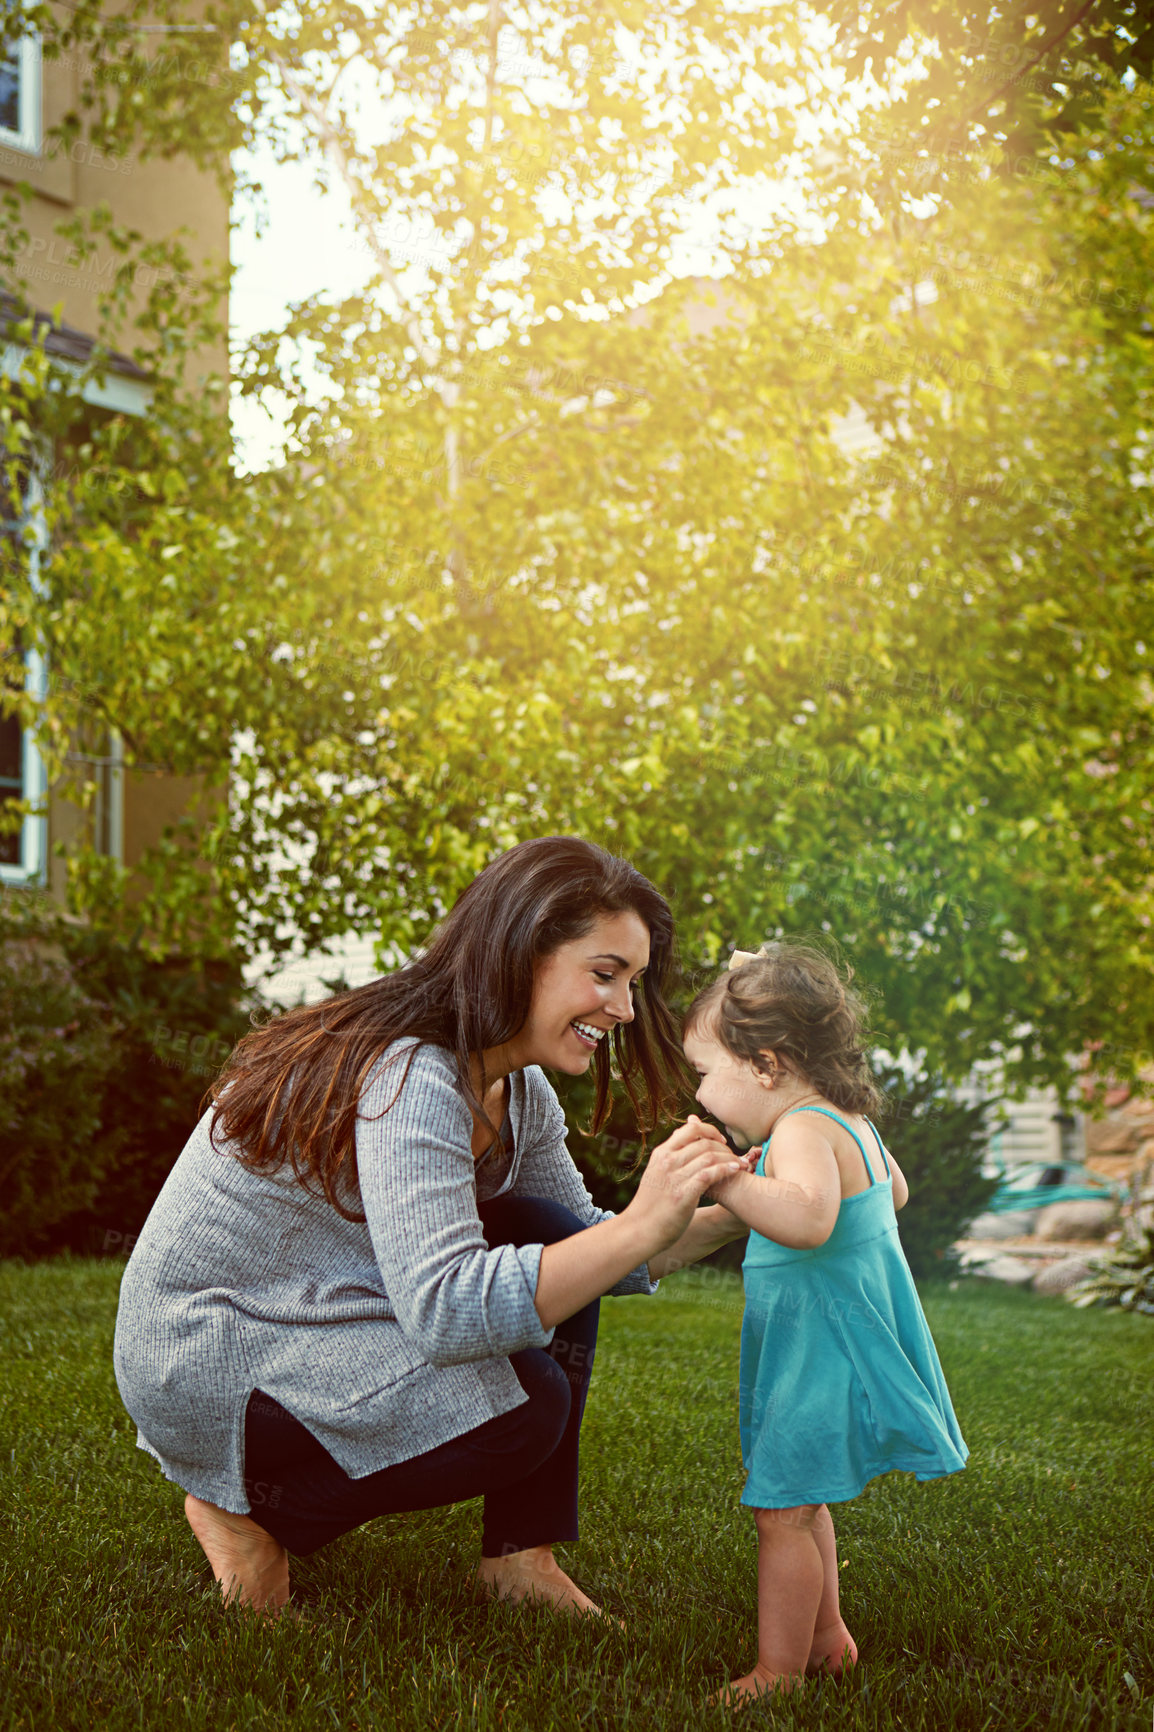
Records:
x=468, y=991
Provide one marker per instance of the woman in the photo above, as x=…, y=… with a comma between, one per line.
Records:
x=370, y=1282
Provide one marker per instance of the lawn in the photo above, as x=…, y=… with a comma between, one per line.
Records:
x=1017, y=1594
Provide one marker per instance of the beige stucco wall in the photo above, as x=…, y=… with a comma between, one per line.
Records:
x=151, y=802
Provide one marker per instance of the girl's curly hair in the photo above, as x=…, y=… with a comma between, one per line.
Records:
x=792, y=1000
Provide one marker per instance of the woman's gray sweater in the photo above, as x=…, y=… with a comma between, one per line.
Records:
x=385, y=1337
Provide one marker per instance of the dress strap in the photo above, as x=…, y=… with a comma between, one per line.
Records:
x=826, y=1114
x=881, y=1146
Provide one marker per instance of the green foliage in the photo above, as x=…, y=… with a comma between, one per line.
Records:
x=550, y=551
x=56, y=1044
x=940, y=1145
x=1123, y=1276
x=608, y=1162
x=105, y=1056
x=1025, y=74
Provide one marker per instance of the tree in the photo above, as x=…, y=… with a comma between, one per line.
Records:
x=546, y=555
x=1022, y=71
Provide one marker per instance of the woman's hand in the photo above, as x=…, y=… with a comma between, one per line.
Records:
x=679, y=1172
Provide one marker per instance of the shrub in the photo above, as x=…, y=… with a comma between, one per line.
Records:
x=56, y=1044
x=1122, y=1276
x=940, y=1144
x=608, y=1161
x=105, y=1056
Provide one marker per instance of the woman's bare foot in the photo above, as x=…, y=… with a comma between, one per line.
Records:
x=829, y=1650
x=251, y=1567
x=535, y=1574
x=757, y=1683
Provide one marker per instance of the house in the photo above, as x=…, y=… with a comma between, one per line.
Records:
x=154, y=197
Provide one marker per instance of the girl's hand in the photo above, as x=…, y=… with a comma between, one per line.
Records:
x=679, y=1172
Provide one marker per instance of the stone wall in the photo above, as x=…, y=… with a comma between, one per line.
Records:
x=1048, y=1247
x=1121, y=1145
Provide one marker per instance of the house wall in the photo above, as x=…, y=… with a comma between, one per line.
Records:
x=155, y=197
x=149, y=801
x=1033, y=1132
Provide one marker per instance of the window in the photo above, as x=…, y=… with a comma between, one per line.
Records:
x=11, y=783
x=20, y=95
x=105, y=770
x=22, y=848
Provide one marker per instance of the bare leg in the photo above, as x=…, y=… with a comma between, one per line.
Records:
x=790, y=1583
x=251, y=1567
x=833, y=1646
x=534, y=1574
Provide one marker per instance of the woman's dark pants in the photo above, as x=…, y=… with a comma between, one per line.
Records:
x=523, y=1463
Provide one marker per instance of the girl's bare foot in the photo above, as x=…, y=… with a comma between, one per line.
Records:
x=757, y=1683
x=535, y=1574
x=829, y=1651
x=251, y=1567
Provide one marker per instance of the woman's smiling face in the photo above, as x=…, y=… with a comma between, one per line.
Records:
x=581, y=990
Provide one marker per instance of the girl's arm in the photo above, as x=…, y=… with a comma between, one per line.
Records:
x=798, y=1206
x=681, y=1169
x=709, y=1229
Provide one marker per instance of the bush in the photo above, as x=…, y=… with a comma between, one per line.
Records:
x=56, y=1044
x=940, y=1145
x=1123, y=1276
x=608, y=1161
x=105, y=1056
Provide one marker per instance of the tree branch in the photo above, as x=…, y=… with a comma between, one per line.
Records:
x=513, y=433
x=335, y=154
x=1045, y=49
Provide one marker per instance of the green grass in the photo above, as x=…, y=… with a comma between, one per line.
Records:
x=1016, y=1594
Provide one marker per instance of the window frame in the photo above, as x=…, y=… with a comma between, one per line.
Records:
x=27, y=136
x=125, y=397
x=32, y=867
x=33, y=833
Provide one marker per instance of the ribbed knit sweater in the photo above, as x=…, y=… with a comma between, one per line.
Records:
x=385, y=1337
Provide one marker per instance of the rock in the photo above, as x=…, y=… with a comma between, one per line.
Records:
x=1114, y=1166
x=1016, y=1271
x=1056, y=1277
x=1110, y=1137
x=1081, y=1220
x=1013, y=1225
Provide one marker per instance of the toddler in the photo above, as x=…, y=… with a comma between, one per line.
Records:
x=840, y=1380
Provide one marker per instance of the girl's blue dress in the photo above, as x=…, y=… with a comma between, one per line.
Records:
x=840, y=1379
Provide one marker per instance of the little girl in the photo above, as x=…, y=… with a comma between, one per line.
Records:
x=840, y=1380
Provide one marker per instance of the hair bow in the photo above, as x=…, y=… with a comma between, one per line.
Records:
x=740, y=956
